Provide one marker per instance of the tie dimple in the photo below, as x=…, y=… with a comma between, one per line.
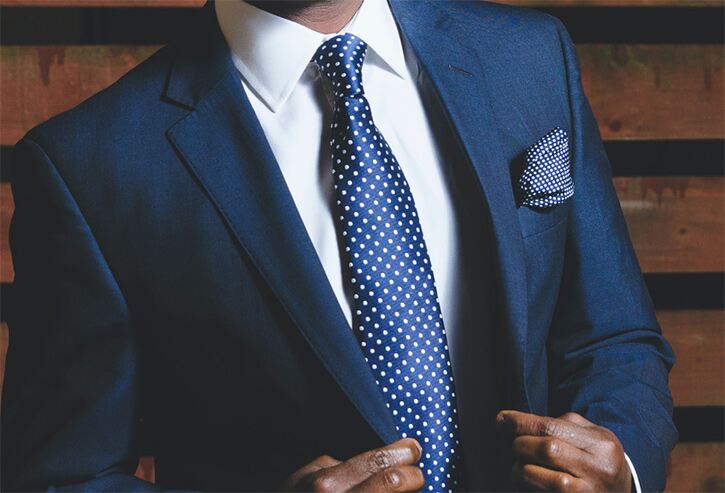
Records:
x=341, y=59
x=397, y=316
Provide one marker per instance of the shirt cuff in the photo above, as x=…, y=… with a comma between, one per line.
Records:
x=635, y=478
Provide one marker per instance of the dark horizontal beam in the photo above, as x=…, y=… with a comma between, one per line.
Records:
x=93, y=25
x=700, y=424
x=668, y=291
x=642, y=25
x=666, y=157
x=695, y=291
x=628, y=158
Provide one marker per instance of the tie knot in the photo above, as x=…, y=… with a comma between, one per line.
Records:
x=341, y=59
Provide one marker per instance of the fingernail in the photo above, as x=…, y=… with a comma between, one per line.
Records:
x=501, y=418
x=417, y=450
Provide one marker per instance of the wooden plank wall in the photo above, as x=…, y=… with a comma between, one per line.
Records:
x=650, y=98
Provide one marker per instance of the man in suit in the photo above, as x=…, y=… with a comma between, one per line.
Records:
x=333, y=245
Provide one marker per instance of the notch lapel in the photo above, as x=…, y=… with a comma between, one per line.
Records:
x=224, y=147
x=460, y=82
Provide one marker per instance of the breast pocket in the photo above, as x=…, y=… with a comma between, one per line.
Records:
x=533, y=221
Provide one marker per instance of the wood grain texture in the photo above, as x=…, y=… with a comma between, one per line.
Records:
x=526, y=3
x=676, y=223
x=655, y=91
x=697, y=467
x=636, y=91
x=698, y=339
x=38, y=82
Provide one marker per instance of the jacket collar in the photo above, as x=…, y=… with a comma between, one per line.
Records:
x=198, y=62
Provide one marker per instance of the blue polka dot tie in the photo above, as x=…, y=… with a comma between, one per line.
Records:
x=397, y=317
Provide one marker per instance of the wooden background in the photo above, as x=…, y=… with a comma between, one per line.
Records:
x=653, y=70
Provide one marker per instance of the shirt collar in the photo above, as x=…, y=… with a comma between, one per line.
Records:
x=271, y=52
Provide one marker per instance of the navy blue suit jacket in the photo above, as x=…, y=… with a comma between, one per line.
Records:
x=164, y=274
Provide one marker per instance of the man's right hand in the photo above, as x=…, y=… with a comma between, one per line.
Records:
x=392, y=468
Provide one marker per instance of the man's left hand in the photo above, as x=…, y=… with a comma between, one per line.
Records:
x=569, y=453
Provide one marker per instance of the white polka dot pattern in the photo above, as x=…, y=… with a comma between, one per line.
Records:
x=546, y=180
x=397, y=316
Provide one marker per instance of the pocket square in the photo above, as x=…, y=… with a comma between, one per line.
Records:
x=546, y=178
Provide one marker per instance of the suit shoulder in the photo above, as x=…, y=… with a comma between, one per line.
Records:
x=506, y=21
x=123, y=102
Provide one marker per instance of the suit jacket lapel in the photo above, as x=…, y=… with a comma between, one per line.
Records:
x=457, y=75
x=224, y=147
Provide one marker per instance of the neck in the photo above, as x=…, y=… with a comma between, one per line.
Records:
x=324, y=16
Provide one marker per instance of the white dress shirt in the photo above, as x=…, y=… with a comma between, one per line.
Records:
x=294, y=108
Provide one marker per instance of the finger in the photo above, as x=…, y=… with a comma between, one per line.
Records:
x=518, y=424
x=322, y=462
x=577, y=419
x=393, y=479
x=354, y=471
x=543, y=479
x=553, y=453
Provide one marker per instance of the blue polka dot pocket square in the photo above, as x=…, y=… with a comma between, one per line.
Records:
x=546, y=178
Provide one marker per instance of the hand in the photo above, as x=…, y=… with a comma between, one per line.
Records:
x=568, y=453
x=392, y=468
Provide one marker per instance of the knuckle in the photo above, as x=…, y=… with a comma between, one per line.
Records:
x=609, y=444
x=380, y=459
x=563, y=482
x=609, y=469
x=323, y=483
x=552, y=447
x=393, y=479
x=549, y=428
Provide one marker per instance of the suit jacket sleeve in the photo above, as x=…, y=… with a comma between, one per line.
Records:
x=608, y=359
x=70, y=398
